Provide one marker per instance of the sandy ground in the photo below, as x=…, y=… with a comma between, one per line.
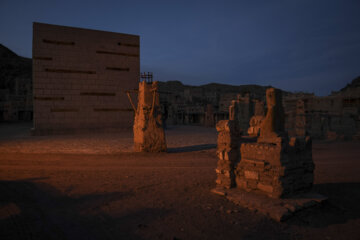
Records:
x=16, y=138
x=93, y=187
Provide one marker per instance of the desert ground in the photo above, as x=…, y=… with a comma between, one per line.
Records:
x=92, y=186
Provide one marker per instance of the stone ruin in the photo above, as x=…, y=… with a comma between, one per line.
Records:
x=269, y=165
x=148, y=128
x=274, y=165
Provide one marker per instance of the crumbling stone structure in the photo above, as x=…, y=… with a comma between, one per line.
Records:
x=148, y=129
x=227, y=152
x=241, y=110
x=330, y=117
x=273, y=165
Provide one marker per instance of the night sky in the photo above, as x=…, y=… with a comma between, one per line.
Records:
x=296, y=45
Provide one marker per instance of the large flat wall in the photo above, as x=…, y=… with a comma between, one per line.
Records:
x=80, y=77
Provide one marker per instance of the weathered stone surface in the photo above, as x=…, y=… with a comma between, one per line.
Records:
x=226, y=126
x=251, y=175
x=279, y=169
x=148, y=130
x=255, y=123
x=265, y=188
x=272, y=127
x=227, y=152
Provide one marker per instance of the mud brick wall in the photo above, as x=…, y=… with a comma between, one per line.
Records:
x=80, y=77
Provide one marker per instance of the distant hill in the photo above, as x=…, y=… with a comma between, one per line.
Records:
x=177, y=86
x=224, y=88
x=13, y=66
x=172, y=86
x=355, y=83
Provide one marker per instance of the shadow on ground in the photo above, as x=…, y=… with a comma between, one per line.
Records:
x=191, y=148
x=31, y=210
x=342, y=205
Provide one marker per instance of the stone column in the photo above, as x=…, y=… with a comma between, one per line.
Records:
x=227, y=152
x=273, y=124
x=148, y=129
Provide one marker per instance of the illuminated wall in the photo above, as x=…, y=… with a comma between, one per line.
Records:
x=80, y=77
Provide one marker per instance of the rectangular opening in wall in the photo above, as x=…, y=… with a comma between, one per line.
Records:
x=118, y=53
x=128, y=44
x=118, y=69
x=68, y=71
x=64, y=110
x=113, y=110
x=58, y=42
x=49, y=98
x=97, y=94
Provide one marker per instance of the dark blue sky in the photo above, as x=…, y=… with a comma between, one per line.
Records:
x=296, y=45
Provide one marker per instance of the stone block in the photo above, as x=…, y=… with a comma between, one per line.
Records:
x=251, y=175
x=226, y=126
x=265, y=188
x=240, y=182
x=225, y=165
x=227, y=140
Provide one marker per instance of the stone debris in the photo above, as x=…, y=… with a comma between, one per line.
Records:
x=149, y=135
x=279, y=209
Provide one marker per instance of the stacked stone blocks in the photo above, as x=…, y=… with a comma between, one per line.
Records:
x=227, y=151
x=278, y=170
x=274, y=165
